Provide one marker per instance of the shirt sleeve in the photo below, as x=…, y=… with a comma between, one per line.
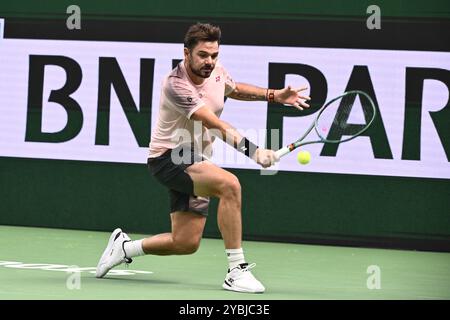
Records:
x=230, y=85
x=184, y=98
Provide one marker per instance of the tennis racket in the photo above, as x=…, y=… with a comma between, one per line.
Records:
x=331, y=124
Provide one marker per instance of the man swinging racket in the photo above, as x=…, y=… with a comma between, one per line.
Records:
x=194, y=92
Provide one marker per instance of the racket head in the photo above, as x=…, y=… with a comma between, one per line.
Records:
x=334, y=123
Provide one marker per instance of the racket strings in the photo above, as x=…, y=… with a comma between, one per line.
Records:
x=333, y=123
x=343, y=112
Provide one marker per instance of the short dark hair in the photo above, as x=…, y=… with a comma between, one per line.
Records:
x=201, y=32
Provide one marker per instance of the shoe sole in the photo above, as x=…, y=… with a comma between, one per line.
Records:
x=236, y=289
x=106, y=252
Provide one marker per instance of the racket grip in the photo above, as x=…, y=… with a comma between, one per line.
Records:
x=282, y=152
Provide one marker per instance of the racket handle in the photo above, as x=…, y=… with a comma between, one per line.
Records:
x=282, y=152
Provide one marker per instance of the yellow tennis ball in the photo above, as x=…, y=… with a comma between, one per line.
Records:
x=303, y=157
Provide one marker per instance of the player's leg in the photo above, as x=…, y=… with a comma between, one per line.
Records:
x=187, y=231
x=189, y=185
x=188, y=217
x=210, y=180
x=188, y=221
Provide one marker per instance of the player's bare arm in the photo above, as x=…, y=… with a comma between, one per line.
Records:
x=230, y=135
x=211, y=121
x=248, y=92
x=288, y=95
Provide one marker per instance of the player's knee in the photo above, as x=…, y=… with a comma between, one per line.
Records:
x=187, y=246
x=190, y=247
x=231, y=187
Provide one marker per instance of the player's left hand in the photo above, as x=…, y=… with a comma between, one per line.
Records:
x=293, y=97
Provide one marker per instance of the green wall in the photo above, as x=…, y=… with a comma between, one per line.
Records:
x=300, y=207
x=285, y=9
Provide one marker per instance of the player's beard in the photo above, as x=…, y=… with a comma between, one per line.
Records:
x=204, y=71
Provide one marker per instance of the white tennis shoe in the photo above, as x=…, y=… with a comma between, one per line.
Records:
x=241, y=279
x=114, y=253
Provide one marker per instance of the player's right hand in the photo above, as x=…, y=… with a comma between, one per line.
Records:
x=264, y=157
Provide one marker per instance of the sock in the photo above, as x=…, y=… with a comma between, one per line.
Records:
x=133, y=248
x=235, y=257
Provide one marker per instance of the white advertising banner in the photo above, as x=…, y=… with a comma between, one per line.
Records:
x=249, y=64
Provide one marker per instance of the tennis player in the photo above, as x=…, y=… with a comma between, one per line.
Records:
x=194, y=92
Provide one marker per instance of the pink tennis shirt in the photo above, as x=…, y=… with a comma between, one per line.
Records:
x=180, y=98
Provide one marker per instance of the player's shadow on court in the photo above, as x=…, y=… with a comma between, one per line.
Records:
x=133, y=280
x=191, y=285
